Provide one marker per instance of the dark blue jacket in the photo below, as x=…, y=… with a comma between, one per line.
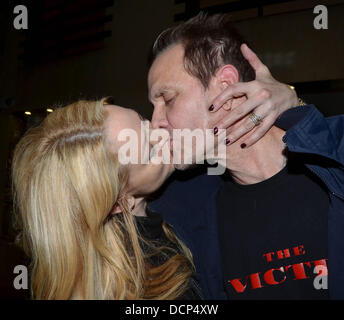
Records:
x=188, y=201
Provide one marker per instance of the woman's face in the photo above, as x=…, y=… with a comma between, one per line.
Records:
x=145, y=176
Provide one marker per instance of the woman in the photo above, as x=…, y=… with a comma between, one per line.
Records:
x=83, y=215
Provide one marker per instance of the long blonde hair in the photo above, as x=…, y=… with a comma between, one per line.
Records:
x=65, y=183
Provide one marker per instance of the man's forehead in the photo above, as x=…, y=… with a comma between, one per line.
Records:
x=161, y=83
x=166, y=63
x=171, y=55
x=164, y=80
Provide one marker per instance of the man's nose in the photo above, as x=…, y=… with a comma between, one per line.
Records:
x=159, y=118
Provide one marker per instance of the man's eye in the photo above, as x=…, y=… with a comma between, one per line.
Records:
x=167, y=102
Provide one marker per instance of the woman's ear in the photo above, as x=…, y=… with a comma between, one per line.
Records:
x=124, y=201
x=116, y=209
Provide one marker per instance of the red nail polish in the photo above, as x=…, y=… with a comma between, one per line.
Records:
x=243, y=145
x=211, y=108
x=227, y=141
x=216, y=130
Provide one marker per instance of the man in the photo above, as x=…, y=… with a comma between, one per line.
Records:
x=273, y=227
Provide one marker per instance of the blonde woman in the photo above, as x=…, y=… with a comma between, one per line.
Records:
x=83, y=215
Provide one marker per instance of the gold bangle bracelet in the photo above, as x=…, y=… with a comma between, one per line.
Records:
x=301, y=102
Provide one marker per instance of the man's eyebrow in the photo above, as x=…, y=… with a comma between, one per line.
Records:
x=160, y=92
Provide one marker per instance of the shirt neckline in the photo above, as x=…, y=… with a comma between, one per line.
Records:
x=273, y=181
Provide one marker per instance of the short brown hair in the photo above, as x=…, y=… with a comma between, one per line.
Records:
x=210, y=41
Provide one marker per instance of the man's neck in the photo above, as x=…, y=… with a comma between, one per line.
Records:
x=260, y=161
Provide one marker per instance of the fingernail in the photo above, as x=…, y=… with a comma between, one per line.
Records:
x=216, y=130
x=211, y=108
x=243, y=145
x=227, y=141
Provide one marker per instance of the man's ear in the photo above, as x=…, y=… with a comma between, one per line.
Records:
x=225, y=77
x=125, y=201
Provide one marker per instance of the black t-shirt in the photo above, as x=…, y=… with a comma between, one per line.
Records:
x=273, y=234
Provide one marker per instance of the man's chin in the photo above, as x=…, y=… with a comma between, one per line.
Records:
x=183, y=167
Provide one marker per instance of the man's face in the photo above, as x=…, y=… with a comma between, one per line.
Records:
x=180, y=101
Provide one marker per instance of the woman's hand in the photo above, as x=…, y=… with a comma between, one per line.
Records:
x=266, y=97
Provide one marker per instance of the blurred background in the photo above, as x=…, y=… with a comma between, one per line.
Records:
x=76, y=49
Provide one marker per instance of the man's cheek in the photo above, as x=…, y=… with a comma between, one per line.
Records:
x=184, y=115
x=176, y=120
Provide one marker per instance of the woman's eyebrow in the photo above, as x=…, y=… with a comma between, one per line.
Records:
x=142, y=118
x=145, y=137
